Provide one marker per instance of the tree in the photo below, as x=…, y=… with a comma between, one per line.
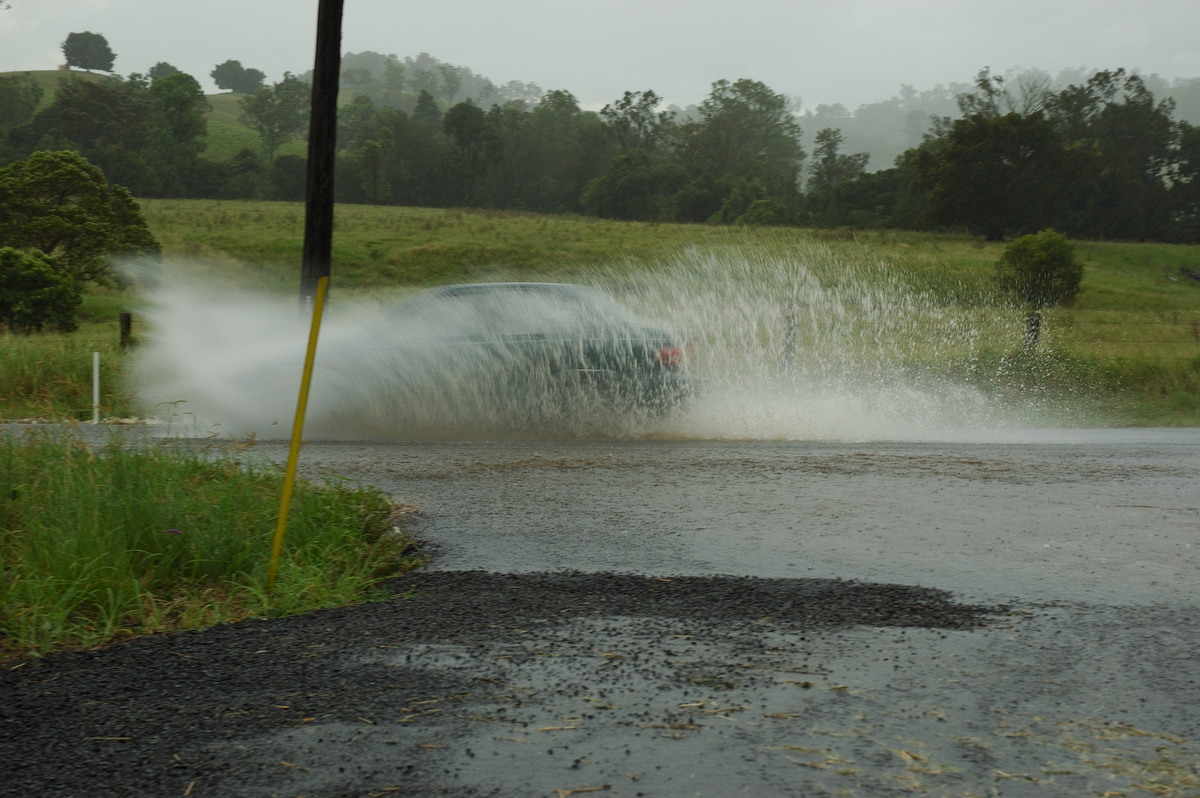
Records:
x=176, y=130
x=993, y=98
x=34, y=293
x=466, y=125
x=60, y=205
x=869, y=201
x=544, y=158
x=451, y=81
x=394, y=81
x=426, y=110
x=567, y=148
x=995, y=175
x=1131, y=142
x=1185, y=186
x=243, y=176
x=232, y=76
x=636, y=122
x=278, y=113
x=746, y=132
x=1040, y=270
x=828, y=172
x=162, y=70
x=105, y=121
x=633, y=188
x=88, y=51
x=829, y=167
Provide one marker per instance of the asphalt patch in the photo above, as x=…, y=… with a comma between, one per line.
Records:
x=472, y=683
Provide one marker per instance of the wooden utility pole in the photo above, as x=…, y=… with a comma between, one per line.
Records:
x=322, y=143
x=318, y=233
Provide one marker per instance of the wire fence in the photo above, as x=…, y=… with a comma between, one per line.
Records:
x=1182, y=331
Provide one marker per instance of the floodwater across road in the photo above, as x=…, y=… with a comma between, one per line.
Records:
x=1086, y=681
x=1109, y=515
x=1011, y=614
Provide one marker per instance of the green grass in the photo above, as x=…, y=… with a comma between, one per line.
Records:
x=1136, y=321
x=49, y=376
x=226, y=135
x=103, y=543
x=378, y=246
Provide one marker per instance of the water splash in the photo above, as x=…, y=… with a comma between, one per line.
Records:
x=822, y=344
x=807, y=343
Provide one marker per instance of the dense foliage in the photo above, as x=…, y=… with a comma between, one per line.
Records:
x=145, y=135
x=35, y=294
x=1099, y=158
x=63, y=225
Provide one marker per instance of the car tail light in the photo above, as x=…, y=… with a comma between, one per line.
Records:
x=670, y=357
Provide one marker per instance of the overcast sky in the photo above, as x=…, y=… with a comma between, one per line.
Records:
x=820, y=51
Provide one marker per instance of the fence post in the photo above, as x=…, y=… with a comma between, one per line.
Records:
x=126, y=330
x=95, y=387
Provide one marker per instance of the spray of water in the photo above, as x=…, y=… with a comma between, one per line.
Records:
x=796, y=344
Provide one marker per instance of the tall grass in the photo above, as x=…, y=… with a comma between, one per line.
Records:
x=49, y=376
x=103, y=542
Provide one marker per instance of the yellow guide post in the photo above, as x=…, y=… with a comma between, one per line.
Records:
x=289, y=476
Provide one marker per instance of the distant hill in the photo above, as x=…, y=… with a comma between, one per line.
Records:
x=226, y=134
x=48, y=79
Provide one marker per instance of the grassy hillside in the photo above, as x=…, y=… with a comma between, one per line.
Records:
x=226, y=135
x=48, y=79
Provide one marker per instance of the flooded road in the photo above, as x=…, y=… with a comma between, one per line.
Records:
x=1078, y=515
x=1015, y=615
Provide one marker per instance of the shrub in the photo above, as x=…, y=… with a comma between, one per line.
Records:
x=1040, y=270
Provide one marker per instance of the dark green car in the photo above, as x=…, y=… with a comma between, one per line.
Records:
x=527, y=353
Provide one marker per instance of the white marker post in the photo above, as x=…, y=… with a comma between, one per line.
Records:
x=95, y=387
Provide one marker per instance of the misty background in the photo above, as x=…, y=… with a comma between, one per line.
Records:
x=643, y=116
x=852, y=53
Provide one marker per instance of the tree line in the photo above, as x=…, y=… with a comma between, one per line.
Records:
x=1101, y=158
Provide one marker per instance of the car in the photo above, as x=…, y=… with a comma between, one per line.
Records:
x=529, y=352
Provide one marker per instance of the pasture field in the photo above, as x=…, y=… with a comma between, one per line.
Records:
x=1133, y=335
x=1131, y=341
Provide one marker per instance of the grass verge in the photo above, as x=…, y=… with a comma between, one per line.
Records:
x=104, y=543
x=49, y=376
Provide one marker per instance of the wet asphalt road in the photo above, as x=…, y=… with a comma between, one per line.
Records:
x=1108, y=516
x=668, y=618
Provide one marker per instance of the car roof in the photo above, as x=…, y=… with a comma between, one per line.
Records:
x=524, y=287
